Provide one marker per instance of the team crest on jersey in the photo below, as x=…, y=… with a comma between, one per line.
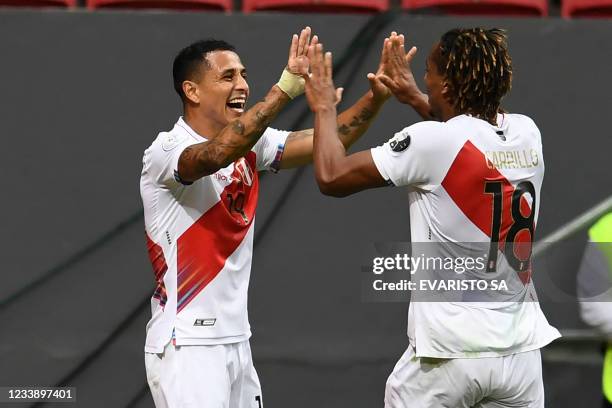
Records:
x=400, y=145
x=245, y=171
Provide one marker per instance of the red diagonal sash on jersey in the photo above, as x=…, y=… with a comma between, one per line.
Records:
x=205, y=246
x=465, y=184
x=158, y=261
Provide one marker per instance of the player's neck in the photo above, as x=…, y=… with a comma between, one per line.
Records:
x=448, y=112
x=201, y=124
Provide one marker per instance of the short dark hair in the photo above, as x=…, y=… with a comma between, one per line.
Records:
x=478, y=68
x=188, y=60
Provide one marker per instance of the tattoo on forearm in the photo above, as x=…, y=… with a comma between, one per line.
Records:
x=344, y=129
x=189, y=153
x=204, y=154
x=260, y=118
x=363, y=118
x=238, y=127
x=234, y=141
x=301, y=134
x=366, y=115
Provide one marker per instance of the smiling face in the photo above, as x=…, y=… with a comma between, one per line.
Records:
x=219, y=90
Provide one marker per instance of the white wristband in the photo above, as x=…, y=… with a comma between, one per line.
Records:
x=291, y=84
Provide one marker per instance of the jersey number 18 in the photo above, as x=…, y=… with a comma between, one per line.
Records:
x=519, y=223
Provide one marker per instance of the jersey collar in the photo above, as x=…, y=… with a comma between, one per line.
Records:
x=182, y=124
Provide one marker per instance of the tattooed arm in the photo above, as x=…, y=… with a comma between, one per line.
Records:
x=234, y=141
x=240, y=135
x=352, y=123
x=336, y=173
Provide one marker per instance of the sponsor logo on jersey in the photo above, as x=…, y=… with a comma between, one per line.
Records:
x=222, y=177
x=205, y=322
x=400, y=145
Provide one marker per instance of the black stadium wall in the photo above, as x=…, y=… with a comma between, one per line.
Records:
x=83, y=94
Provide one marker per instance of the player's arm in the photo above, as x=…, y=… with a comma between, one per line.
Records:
x=337, y=174
x=239, y=136
x=398, y=77
x=351, y=124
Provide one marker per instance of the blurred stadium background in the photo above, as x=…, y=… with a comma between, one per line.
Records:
x=85, y=88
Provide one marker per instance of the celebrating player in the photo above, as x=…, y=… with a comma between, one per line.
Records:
x=474, y=176
x=199, y=187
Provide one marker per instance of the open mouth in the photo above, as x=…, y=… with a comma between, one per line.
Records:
x=237, y=104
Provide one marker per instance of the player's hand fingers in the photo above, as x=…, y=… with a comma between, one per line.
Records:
x=311, y=57
x=388, y=50
x=315, y=64
x=328, y=66
x=397, y=52
x=303, y=41
x=410, y=54
x=388, y=82
x=294, y=46
x=319, y=56
x=383, y=55
x=392, y=56
x=311, y=52
x=315, y=40
x=373, y=80
x=339, y=92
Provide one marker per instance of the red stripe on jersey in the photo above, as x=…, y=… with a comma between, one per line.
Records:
x=205, y=246
x=158, y=261
x=465, y=184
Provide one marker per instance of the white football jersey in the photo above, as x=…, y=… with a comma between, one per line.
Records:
x=200, y=240
x=472, y=182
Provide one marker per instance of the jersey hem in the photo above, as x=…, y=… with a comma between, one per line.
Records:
x=197, y=341
x=487, y=354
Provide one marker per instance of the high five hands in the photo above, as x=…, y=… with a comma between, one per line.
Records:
x=298, y=62
x=395, y=73
x=320, y=91
x=394, y=70
x=393, y=76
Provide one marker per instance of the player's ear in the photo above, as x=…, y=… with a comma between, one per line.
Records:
x=445, y=89
x=191, y=91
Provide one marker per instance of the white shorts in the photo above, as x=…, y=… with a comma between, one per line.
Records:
x=496, y=382
x=219, y=376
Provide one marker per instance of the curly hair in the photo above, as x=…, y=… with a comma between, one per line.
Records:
x=478, y=69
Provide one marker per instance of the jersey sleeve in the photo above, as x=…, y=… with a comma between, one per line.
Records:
x=161, y=159
x=409, y=157
x=269, y=149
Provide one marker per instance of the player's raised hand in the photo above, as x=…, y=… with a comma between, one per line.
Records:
x=396, y=70
x=320, y=91
x=379, y=90
x=298, y=62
